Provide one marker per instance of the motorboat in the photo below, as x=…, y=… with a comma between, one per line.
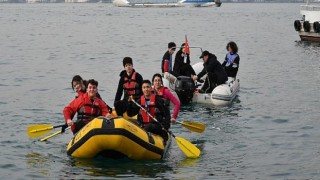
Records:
x=182, y=87
x=221, y=95
x=309, y=26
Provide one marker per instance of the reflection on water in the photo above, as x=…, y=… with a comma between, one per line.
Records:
x=119, y=168
x=37, y=161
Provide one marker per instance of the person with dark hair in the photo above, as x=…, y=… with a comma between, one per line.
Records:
x=154, y=105
x=80, y=86
x=87, y=107
x=129, y=85
x=167, y=63
x=166, y=95
x=232, y=60
x=214, y=70
x=182, y=65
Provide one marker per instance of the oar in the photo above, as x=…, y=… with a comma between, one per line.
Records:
x=189, y=149
x=40, y=129
x=193, y=126
x=54, y=134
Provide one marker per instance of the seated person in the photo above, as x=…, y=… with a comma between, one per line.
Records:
x=232, y=60
x=129, y=85
x=87, y=107
x=154, y=105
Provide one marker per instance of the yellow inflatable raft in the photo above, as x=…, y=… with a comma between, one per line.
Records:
x=116, y=138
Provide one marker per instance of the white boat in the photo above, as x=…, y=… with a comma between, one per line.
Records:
x=147, y=3
x=201, y=3
x=309, y=26
x=221, y=95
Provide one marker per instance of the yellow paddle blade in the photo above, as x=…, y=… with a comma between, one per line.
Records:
x=38, y=130
x=193, y=126
x=189, y=149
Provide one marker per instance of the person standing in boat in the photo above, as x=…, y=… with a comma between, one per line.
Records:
x=167, y=63
x=87, y=106
x=214, y=70
x=232, y=60
x=182, y=65
x=154, y=105
x=166, y=95
x=129, y=85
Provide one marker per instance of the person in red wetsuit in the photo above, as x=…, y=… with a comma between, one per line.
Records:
x=166, y=95
x=87, y=107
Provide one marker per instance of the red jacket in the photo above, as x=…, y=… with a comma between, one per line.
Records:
x=84, y=105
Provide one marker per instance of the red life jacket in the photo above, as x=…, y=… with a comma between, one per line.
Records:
x=130, y=85
x=160, y=93
x=88, y=111
x=151, y=108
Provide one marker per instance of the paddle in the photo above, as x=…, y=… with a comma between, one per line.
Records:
x=37, y=130
x=189, y=149
x=193, y=126
x=54, y=134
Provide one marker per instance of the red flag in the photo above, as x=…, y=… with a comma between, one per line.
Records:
x=186, y=46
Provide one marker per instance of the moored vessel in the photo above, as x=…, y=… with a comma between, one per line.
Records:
x=309, y=26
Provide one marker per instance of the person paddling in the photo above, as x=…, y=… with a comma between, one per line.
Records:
x=166, y=95
x=87, y=107
x=154, y=105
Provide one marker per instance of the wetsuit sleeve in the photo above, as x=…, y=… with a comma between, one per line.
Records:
x=162, y=62
x=119, y=90
x=139, y=81
x=165, y=113
x=168, y=95
x=225, y=61
x=71, y=109
x=103, y=107
x=177, y=63
x=202, y=73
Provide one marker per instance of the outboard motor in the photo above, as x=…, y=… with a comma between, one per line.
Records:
x=184, y=87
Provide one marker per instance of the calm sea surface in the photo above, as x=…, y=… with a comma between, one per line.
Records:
x=271, y=131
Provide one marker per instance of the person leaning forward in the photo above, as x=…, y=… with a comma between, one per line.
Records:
x=129, y=85
x=214, y=70
x=87, y=107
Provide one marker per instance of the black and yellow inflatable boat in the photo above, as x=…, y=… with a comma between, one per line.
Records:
x=116, y=138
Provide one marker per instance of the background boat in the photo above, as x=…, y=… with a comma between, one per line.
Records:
x=147, y=3
x=201, y=3
x=309, y=26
